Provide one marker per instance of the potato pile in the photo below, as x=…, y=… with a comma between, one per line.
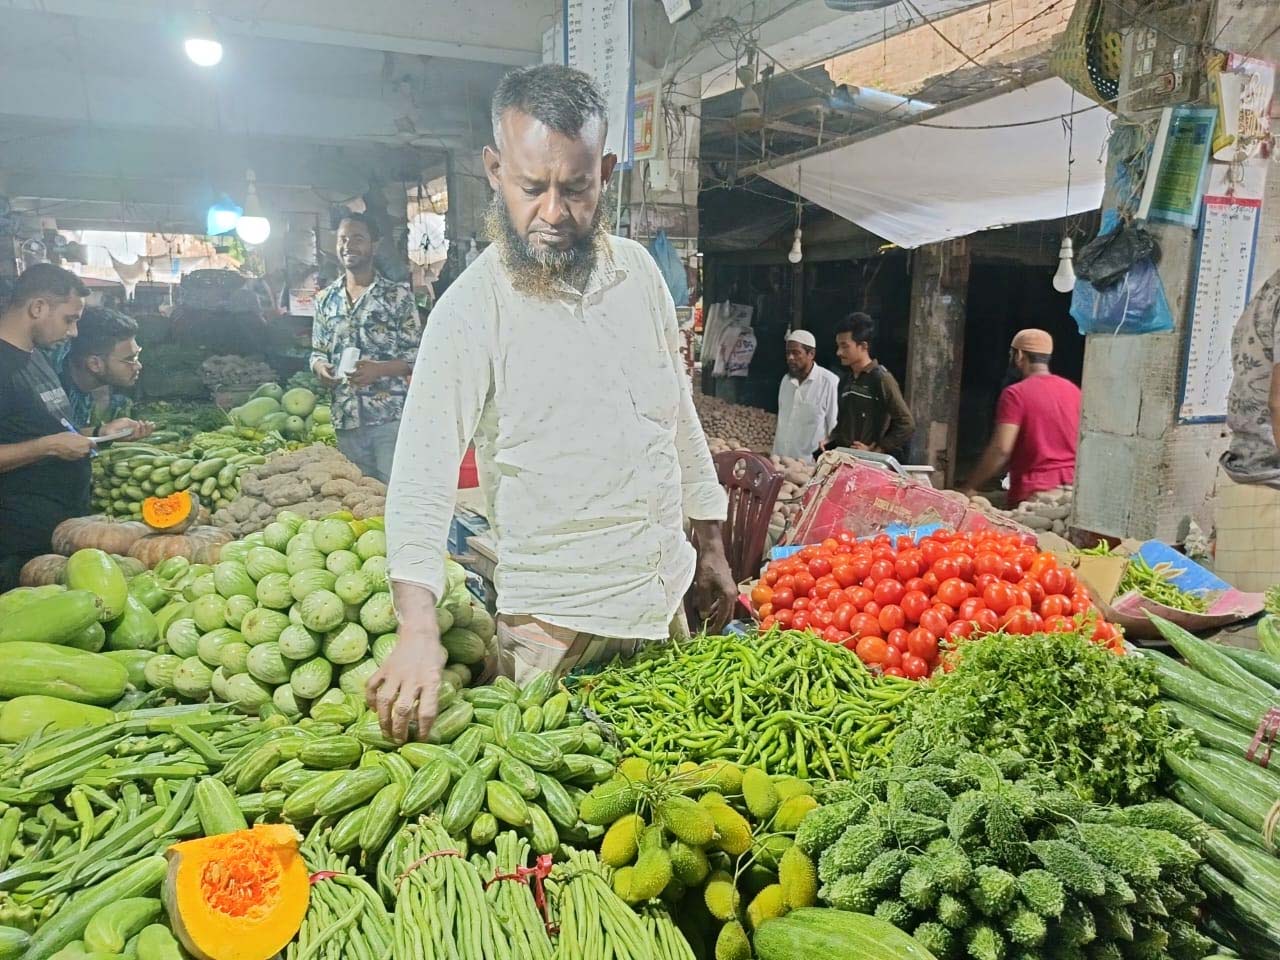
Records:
x=314, y=481
x=1049, y=510
x=739, y=427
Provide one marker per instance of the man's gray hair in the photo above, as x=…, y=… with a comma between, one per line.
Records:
x=561, y=98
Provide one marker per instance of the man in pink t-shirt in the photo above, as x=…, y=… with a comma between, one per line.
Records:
x=1037, y=425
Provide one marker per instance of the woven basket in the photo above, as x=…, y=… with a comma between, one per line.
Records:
x=1079, y=57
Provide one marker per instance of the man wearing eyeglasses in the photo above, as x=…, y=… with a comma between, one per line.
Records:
x=95, y=366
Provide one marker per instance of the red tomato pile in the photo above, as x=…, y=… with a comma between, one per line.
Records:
x=896, y=603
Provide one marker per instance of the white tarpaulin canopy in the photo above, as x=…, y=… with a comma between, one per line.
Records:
x=915, y=184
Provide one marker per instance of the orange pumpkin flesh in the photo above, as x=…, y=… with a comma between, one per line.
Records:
x=172, y=514
x=237, y=896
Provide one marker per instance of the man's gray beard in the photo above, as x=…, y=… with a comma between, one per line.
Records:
x=540, y=271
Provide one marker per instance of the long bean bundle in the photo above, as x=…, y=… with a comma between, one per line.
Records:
x=510, y=900
x=594, y=923
x=440, y=907
x=346, y=919
x=783, y=700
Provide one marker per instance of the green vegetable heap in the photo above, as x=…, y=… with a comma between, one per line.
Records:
x=1089, y=716
x=786, y=701
x=981, y=857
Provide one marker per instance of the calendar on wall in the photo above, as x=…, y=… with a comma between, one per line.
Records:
x=1224, y=269
x=598, y=41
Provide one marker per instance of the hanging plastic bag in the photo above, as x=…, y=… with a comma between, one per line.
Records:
x=672, y=268
x=1106, y=258
x=1134, y=304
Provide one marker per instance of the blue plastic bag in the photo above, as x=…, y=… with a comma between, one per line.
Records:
x=1136, y=304
x=671, y=267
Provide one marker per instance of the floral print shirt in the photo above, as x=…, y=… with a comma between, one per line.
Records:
x=382, y=324
x=1252, y=456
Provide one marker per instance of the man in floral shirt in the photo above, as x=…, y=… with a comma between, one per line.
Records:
x=364, y=311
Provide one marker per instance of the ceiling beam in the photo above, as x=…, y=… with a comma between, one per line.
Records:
x=301, y=32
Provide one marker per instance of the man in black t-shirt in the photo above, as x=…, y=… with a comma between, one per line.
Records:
x=44, y=461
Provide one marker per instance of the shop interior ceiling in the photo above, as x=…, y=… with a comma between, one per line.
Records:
x=104, y=123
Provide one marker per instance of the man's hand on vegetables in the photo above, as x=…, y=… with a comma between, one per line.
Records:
x=717, y=593
x=406, y=689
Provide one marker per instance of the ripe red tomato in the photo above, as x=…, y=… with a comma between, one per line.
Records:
x=934, y=622
x=764, y=611
x=922, y=643
x=1058, y=624
x=783, y=598
x=894, y=672
x=821, y=619
x=984, y=580
x=846, y=574
x=881, y=570
x=831, y=635
x=1019, y=621
x=986, y=621
x=825, y=587
x=999, y=597
x=859, y=596
x=953, y=591
x=1054, y=606
x=946, y=569
x=871, y=650
x=770, y=577
x=931, y=580
x=914, y=603
x=888, y=591
x=948, y=613
x=830, y=544
x=919, y=583
x=991, y=564
x=803, y=603
x=907, y=566
x=786, y=582
x=960, y=630
x=761, y=594
x=932, y=550
x=784, y=618
x=1033, y=589
x=872, y=609
x=865, y=625
x=965, y=564
x=891, y=618
x=1105, y=632
x=897, y=639
x=861, y=563
x=819, y=567
x=844, y=615
x=969, y=609
x=767, y=624
x=892, y=657
x=804, y=582
x=914, y=667
x=1081, y=605
x=800, y=621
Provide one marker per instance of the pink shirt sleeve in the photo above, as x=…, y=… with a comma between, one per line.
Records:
x=1009, y=409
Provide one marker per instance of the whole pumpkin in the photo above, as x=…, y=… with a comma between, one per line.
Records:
x=43, y=570
x=199, y=545
x=102, y=533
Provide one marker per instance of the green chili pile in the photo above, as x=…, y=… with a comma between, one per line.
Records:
x=1154, y=583
x=784, y=700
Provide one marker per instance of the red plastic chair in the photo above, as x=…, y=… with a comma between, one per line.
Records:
x=752, y=485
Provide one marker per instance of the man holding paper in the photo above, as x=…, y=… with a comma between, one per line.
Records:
x=44, y=461
x=364, y=340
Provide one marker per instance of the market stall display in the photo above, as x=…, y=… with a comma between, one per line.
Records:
x=1048, y=510
x=739, y=427
x=1045, y=794
x=895, y=602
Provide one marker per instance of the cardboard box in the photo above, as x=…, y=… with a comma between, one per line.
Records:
x=1102, y=575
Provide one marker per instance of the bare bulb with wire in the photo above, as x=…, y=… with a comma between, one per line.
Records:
x=797, y=251
x=1064, y=280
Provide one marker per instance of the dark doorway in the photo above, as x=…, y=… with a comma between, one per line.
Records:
x=1003, y=299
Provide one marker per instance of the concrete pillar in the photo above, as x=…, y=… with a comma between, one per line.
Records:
x=935, y=351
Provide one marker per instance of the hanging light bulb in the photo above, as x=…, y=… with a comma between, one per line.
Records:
x=797, y=252
x=201, y=45
x=1064, y=281
x=253, y=228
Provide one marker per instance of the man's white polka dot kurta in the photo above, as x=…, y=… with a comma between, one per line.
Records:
x=589, y=450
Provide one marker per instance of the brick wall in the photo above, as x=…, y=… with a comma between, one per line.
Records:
x=901, y=64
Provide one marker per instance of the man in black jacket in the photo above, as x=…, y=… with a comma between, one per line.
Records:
x=44, y=460
x=872, y=414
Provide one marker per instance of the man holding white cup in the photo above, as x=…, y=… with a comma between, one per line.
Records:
x=364, y=340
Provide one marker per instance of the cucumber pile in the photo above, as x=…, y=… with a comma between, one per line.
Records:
x=497, y=757
x=124, y=475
